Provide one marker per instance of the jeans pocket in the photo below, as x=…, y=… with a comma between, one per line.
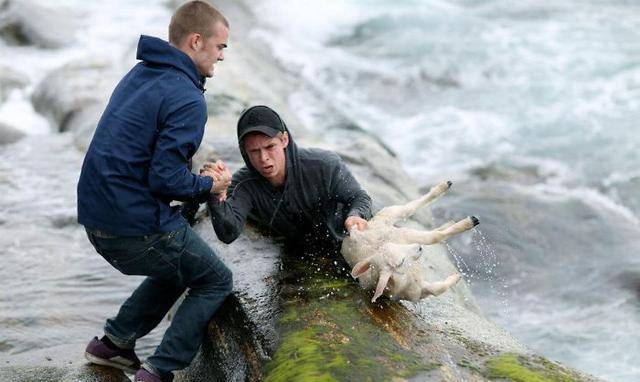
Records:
x=127, y=262
x=145, y=256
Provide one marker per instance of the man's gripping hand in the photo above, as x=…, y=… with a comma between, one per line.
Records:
x=355, y=222
x=221, y=178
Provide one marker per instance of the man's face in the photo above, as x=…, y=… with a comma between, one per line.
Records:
x=209, y=51
x=267, y=155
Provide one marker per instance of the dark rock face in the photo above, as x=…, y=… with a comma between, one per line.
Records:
x=231, y=341
x=28, y=23
x=242, y=333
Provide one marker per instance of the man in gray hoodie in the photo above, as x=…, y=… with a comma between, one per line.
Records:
x=308, y=196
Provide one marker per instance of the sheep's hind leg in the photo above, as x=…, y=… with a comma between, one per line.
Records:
x=409, y=235
x=399, y=212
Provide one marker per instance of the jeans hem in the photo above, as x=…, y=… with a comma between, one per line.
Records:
x=120, y=342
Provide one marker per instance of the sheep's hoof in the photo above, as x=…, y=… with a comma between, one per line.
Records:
x=474, y=220
x=449, y=183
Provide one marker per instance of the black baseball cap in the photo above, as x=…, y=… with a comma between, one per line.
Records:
x=261, y=119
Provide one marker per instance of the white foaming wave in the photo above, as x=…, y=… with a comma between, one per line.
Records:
x=321, y=21
x=17, y=111
x=314, y=21
x=619, y=177
x=603, y=96
x=553, y=171
x=594, y=198
x=303, y=40
x=450, y=139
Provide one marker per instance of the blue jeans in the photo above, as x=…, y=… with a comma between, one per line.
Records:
x=173, y=262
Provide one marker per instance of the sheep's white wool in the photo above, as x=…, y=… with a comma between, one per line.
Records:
x=388, y=257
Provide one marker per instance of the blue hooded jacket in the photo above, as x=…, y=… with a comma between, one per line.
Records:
x=137, y=162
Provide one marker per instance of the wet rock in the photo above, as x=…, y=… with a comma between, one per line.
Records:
x=9, y=134
x=66, y=95
x=630, y=281
x=61, y=363
x=26, y=22
x=224, y=103
x=242, y=334
x=84, y=373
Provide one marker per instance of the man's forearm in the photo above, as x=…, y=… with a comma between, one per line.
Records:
x=227, y=222
x=360, y=205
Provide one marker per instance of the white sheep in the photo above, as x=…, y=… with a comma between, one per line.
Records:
x=388, y=257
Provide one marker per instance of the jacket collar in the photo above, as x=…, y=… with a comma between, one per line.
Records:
x=157, y=51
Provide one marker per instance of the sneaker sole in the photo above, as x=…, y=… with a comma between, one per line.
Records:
x=105, y=362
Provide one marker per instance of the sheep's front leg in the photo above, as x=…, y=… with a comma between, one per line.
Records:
x=408, y=235
x=393, y=213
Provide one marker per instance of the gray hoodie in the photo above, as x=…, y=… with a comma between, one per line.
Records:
x=319, y=193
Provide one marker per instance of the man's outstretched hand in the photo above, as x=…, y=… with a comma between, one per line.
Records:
x=355, y=222
x=221, y=178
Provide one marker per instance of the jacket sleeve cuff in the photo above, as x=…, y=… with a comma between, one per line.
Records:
x=206, y=183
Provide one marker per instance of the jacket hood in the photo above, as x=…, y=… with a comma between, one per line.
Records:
x=156, y=51
x=291, y=152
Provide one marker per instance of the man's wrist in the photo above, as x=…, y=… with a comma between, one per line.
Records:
x=207, y=183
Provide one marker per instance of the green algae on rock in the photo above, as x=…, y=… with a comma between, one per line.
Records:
x=329, y=329
x=521, y=368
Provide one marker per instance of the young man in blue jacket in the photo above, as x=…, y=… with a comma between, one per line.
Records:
x=136, y=165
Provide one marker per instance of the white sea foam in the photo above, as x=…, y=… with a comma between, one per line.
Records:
x=586, y=195
x=17, y=111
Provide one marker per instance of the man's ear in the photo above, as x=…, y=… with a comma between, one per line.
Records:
x=361, y=267
x=285, y=139
x=195, y=41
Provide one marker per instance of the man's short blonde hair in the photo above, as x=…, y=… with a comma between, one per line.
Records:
x=194, y=17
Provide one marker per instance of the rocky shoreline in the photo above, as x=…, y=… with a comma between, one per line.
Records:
x=293, y=319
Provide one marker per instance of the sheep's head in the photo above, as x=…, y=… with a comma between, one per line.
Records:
x=397, y=267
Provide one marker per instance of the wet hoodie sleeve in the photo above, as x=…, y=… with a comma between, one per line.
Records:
x=178, y=140
x=346, y=189
x=229, y=217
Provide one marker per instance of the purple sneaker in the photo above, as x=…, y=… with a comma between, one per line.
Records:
x=99, y=353
x=143, y=375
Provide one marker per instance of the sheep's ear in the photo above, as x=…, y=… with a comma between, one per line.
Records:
x=382, y=283
x=361, y=267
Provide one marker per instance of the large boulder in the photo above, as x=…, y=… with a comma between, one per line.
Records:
x=26, y=22
x=70, y=89
x=73, y=97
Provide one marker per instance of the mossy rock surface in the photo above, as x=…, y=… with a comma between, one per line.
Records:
x=330, y=331
x=522, y=368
